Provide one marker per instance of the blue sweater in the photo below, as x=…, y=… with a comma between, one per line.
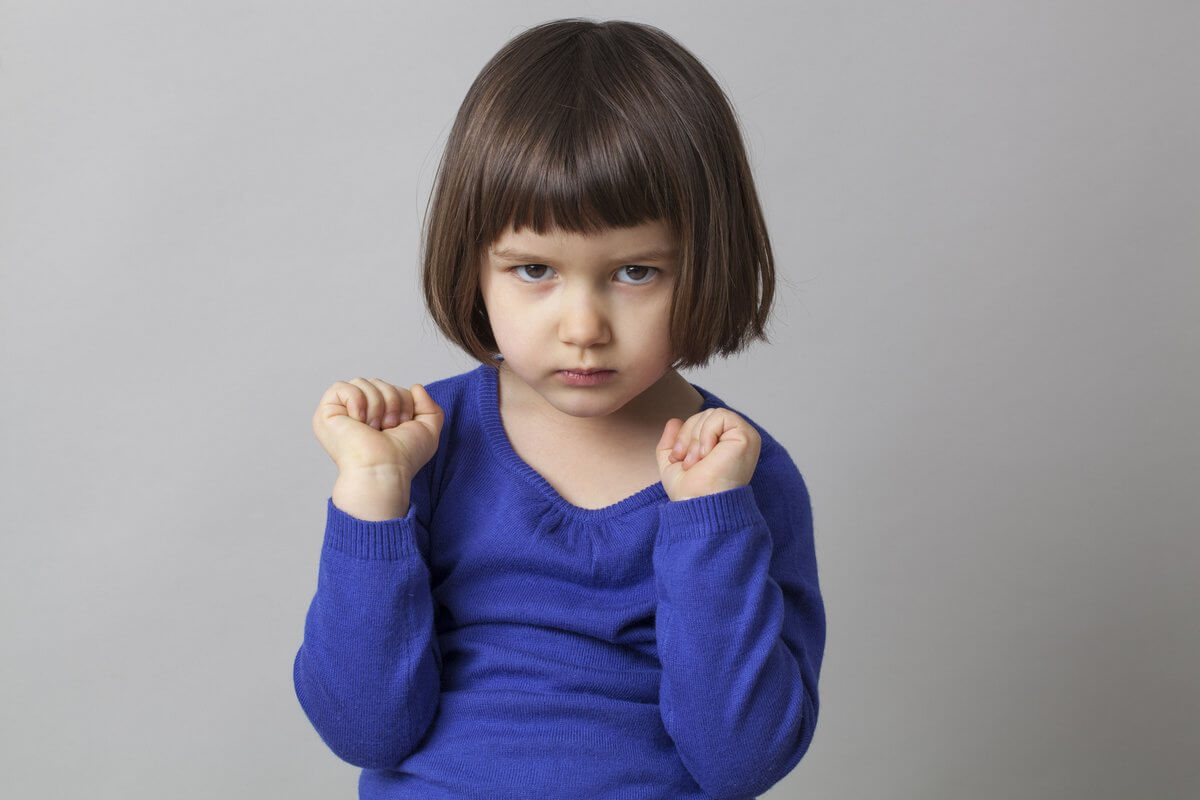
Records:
x=498, y=641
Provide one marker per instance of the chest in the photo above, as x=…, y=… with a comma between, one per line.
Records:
x=593, y=475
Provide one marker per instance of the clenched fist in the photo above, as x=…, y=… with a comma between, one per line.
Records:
x=369, y=425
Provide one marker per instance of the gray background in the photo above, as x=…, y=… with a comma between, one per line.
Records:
x=986, y=363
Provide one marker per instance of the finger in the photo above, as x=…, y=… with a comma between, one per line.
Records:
x=392, y=403
x=407, y=408
x=687, y=429
x=663, y=450
x=341, y=399
x=700, y=434
x=683, y=438
x=710, y=434
x=669, y=436
x=372, y=415
x=687, y=432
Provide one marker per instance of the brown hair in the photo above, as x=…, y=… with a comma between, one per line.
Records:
x=581, y=126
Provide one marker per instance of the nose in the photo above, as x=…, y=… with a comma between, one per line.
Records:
x=583, y=321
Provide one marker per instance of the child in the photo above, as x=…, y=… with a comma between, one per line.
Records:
x=538, y=584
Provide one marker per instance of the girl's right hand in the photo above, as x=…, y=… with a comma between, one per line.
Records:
x=370, y=424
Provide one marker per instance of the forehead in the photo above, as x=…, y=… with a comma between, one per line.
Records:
x=645, y=238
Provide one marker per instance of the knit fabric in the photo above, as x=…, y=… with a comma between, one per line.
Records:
x=498, y=641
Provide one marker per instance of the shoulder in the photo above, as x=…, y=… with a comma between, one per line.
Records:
x=773, y=453
x=452, y=391
x=777, y=476
x=777, y=480
x=781, y=494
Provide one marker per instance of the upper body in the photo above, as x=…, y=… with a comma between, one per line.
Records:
x=561, y=603
x=615, y=643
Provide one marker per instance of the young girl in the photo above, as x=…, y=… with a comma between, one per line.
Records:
x=540, y=583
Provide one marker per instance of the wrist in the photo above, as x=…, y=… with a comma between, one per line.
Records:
x=379, y=473
x=372, y=494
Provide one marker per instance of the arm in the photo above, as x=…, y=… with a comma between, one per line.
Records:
x=741, y=629
x=368, y=671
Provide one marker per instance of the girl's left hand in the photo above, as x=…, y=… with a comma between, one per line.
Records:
x=717, y=450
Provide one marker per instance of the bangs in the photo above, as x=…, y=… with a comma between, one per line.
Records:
x=575, y=149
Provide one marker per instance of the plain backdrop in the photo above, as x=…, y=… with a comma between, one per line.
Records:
x=985, y=360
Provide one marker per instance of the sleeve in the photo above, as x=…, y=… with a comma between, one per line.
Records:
x=368, y=671
x=741, y=629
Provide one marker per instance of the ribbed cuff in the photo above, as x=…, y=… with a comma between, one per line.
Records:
x=386, y=539
x=707, y=514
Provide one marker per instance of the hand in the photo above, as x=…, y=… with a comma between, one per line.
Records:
x=373, y=425
x=718, y=450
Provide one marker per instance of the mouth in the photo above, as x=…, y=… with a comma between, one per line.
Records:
x=589, y=377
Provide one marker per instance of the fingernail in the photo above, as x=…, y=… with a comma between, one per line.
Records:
x=390, y=421
x=375, y=424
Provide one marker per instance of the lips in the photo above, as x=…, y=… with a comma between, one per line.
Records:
x=586, y=371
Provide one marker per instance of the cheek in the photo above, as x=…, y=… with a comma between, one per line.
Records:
x=662, y=330
x=658, y=317
x=509, y=326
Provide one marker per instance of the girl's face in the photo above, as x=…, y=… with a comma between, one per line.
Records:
x=567, y=301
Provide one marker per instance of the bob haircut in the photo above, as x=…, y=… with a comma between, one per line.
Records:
x=579, y=126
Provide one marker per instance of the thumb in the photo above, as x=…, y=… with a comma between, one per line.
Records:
x=425, y=409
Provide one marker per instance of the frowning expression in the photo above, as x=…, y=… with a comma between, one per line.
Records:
x=567, y=301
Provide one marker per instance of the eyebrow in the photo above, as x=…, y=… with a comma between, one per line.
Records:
x=657, y=254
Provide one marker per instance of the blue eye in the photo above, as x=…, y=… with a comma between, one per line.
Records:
x=650, y=272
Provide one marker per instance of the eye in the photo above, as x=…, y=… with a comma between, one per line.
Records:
x=528, y=266
x=649, y=272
